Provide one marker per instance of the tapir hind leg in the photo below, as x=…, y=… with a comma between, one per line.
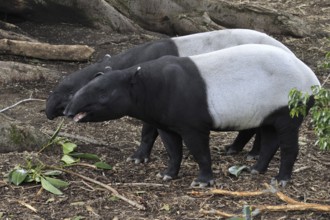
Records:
x=240, y=141
x=287, y=129
x=269, y=146
x=148, y=137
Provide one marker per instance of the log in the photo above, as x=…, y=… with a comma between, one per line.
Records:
x=46, y=51
x=14, y=72
x=17, y=136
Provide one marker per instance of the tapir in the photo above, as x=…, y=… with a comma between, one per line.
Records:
x=237, y=88
x=177, y=46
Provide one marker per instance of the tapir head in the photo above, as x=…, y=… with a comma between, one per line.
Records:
x=62, y=94
x=104, y=98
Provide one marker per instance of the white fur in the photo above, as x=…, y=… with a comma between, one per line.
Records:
x=247, y=83
x=217, y=40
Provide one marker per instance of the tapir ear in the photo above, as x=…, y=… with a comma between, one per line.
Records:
x=98, y=74
x=107, y=56
x=107, y=68
x=135, y=75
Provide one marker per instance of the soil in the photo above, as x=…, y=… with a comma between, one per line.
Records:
x=138, y=182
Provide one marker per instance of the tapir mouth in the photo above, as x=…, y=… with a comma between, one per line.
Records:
x=79, y=116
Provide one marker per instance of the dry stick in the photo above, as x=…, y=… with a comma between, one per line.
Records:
x=24, y=100
x=219, y=213
x=76, y=137
x=293, y=205
x=114, y=192
x=140, y=184
x=27, y=206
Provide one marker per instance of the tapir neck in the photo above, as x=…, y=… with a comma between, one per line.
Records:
x=143, y=53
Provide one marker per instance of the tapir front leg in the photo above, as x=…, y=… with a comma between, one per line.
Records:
x=173, y=144
x=148, y=137
x=198, y=144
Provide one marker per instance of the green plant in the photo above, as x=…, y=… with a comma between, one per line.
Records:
x=326, y=62
x=320, y=112
x=39, y=172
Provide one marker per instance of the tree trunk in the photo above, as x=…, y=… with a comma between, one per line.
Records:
x=169, y=16
x=166, y=16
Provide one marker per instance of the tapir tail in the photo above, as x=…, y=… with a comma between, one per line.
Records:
x=310, y=103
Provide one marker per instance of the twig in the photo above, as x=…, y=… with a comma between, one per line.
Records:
x=27, y=206
x=24, y=100
x=293, y=207
x=114, y=192
x=326, y=79
x=140, y=184
x=84, y=165
x=76, y=137
x=219, y=213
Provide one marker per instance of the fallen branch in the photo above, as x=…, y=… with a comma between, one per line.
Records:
x=114, y=192
x=46, y=51
x=140, y=184
x=15, y=72
x=293, y=205
x=76, y=137
x=24, y=100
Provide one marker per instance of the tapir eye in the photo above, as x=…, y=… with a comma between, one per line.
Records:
x=102, y=98
x=98, y=74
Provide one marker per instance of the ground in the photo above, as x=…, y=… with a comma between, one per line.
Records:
x=163, y=200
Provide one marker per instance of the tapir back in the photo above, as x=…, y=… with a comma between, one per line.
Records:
x=216, y=40
x=247, y=83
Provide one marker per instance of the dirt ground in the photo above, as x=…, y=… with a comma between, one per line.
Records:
x=163, y=200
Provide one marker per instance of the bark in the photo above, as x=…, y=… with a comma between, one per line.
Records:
x=46, y=51
x=14, y=72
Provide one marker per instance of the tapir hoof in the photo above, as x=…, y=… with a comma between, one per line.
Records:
x=278, y=183
x=137, y=160
x=230, y=150
x=251, y=157
x=164, y=177
x=254, y=172
x=200, y=184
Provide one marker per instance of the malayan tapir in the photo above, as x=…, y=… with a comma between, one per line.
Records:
x=237, y=88
x=178, y=46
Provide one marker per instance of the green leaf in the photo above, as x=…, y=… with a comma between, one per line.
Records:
x=68, y=159
x=49, y=187
x=68, y=147
x=52, y=172
x=236, y=170
x=103, y=165
x=247, y=212
x=57, y=182
x=18, y=176
x=85, y=156
x=236, y=218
